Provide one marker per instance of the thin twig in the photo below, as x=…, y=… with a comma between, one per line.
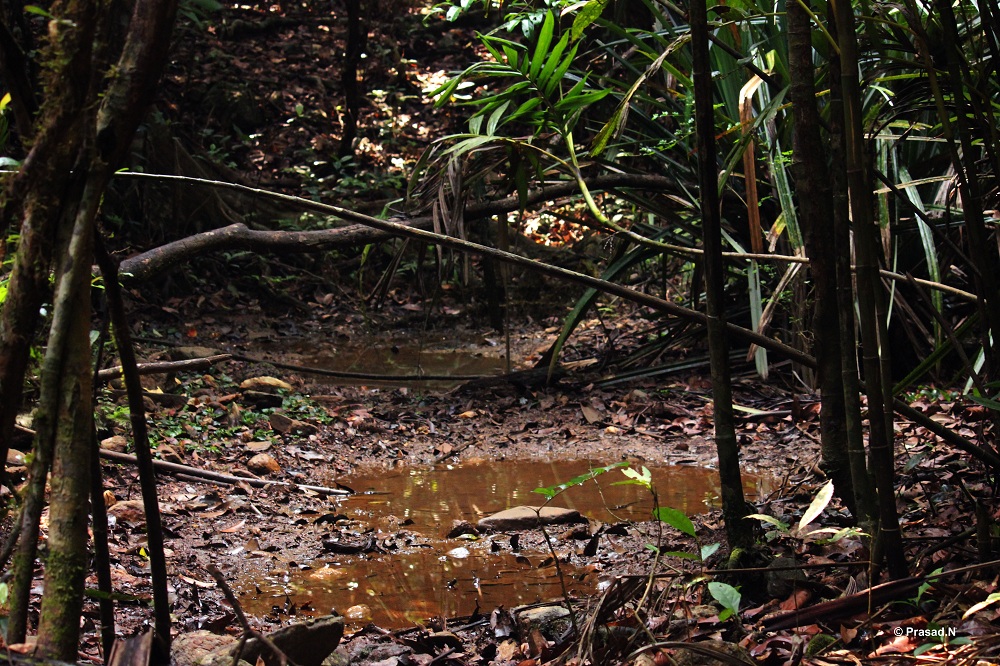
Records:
x=242, y=619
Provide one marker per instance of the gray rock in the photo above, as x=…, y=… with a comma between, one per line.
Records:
x=551, y=621
x=306, y=643
x=528, y=517
x=782, y=583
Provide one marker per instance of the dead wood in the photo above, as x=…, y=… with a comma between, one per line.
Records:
x=109, y=374
x=151, y=263
x=175, y=468
x=303, y=241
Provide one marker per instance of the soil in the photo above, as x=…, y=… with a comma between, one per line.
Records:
x=360, y=432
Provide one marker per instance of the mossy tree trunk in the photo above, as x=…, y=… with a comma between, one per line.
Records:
x=87, y=119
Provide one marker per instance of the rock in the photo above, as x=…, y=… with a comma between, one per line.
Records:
x=262, y=400
x=129, y=511
x=686, y=657
x=282, y=424
x=461, y=528
x=116, y=443
x=192, y=648
x=265, y=384
x=305, y=644
x=528, y=517
x=370, y=652
x=551, y=621
x=782, y=583
x=358, y=613
x=263, y=463
x=338, y=657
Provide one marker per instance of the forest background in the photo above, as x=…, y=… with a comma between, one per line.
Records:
x=817, y=181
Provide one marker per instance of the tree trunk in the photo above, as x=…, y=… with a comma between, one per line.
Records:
x=880, y=437
x=357, y=36
x=815, y=196
x=739, y=532
x=864, y=492
x=56, y=196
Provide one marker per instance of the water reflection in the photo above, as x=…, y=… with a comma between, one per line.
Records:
x=434, y=355
x=406, y=589
x=451, y=577
x=434, y=498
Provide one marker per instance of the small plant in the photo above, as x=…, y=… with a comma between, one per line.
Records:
x=815, y=508
x=727, y=595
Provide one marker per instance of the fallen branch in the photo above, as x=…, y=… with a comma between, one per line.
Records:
x=175, y=468
x=109, y=374
x=985, y=455
x=146, y=264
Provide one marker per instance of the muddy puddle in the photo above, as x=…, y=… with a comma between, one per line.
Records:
x=450, y=577
x=442, y=359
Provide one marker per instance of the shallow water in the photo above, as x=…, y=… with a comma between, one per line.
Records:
x=436, y=356
x=449, y=578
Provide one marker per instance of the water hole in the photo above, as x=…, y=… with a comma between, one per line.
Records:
x=452, y=576
x=376, y=363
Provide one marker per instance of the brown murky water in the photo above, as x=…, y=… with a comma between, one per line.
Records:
x=452, y=576
x=438, y=357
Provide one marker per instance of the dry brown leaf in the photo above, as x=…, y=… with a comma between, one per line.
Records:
x=591, y=414
x=234, y=528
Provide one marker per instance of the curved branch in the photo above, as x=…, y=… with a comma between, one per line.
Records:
x=242, y=234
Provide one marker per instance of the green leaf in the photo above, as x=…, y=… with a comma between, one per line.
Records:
x=560, y=72
x=476, y=124
x=643, y=478
x=512, y=57
x=542, y=47
x=552, y=491
x=709, y=549
x=586, y=16
x=525, y=109
x=986, y=402
x=496, y=117
x=725, y=594
x=551, y=62
x=442, y=95
x=819, y=503
x=34, y=9
x=675, y=519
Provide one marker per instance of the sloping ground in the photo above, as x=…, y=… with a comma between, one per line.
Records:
x=261, y=537
x=259, y=90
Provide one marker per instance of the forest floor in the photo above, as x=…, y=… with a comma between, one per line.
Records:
x=425, y=460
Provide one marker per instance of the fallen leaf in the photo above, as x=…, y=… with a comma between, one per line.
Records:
x=234, y=528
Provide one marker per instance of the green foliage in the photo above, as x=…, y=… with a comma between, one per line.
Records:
x=728, y=596
x=198, y=11
x=551, y=492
